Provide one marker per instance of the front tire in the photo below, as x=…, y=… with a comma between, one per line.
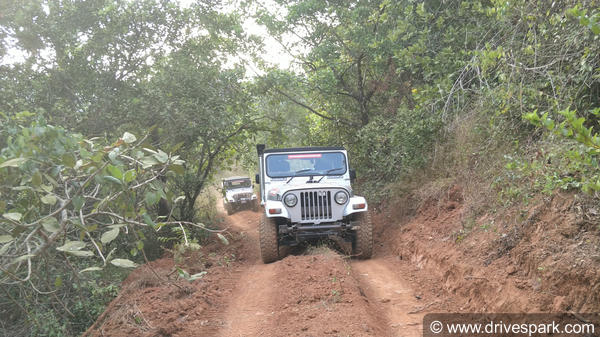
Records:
x=363, y=242
x=269, y=243
x=229, y=208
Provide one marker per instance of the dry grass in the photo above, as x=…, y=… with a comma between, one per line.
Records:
x=470, y=158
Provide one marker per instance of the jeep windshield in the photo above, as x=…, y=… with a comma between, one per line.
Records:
x=305, y=164
x=237, y=183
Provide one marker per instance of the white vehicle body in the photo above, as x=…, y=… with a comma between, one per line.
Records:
x=306, y=193
x=237, y=193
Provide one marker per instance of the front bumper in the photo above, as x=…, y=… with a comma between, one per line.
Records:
x=295, y=233
x=337, y=226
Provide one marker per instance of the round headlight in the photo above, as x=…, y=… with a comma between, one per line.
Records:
x=341, y=197
x=290, y=200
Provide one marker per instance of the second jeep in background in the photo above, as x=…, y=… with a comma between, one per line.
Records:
x=237, y=194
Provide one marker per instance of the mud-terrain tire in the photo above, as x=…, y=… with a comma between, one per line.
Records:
x=229, y=209
x=255, y=206
x=269, y=245
x=363, y=242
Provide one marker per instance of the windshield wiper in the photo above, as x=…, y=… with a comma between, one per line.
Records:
x=329, y=171
x=333, y=169
x=296, y=174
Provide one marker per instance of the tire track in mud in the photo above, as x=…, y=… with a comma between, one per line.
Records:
x=381, y=281
x=251, y=301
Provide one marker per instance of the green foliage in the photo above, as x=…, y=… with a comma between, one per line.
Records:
x=72, y=205
x=582, y=153
x=390, y=79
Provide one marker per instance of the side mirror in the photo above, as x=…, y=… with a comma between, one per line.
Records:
x=352, y=174
x=257, y=179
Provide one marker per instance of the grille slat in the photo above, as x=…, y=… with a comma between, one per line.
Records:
x=240, y=196
x=315, y=205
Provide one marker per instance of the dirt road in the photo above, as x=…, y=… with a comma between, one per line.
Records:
x=315, y=292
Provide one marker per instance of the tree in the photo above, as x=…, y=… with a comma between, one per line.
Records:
x=72, y=205
x=200, y=107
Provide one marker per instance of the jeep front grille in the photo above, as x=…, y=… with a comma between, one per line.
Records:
x=315, y=205
x=240, y=196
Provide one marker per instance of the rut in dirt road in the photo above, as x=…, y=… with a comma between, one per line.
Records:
x=380, y=281
x=250, y=305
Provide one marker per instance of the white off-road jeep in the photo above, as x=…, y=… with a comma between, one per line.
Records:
x=238, y=194
x=306, y=194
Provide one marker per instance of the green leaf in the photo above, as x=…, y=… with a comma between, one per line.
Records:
x=5, y=238
x=161, y=156
x=549, y=124
x=58, y=282
x=14, y=216
x=179, y=169
x=109, y=236
x=223, y=239
x=128, y=138
x=69, y=160
x=71, y=246
x=49, y=199
x=36, y=179
x=149, y=150
x=115, y=172
x=130, y=176
x=184, y=274
x=51, y=180
x=47, y=188
x=77, y=202
x=90, y=269
x=15, y=162
x=583, y=20
x=80, y=253
x=197, y=276
x=148, y=162
x=112, y=155
x=97, y=157
x=176, y=147
x=51, y=225
x=595, y=29
x=113, y=180
x=123, y=263
x=152, y=198
x=148, y=220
